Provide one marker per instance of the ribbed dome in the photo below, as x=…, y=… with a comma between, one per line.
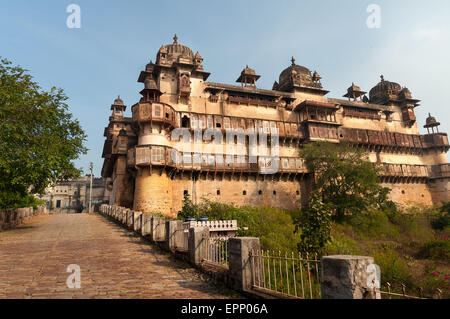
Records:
x=383, y=89
x=293, y=69
x=175, y=50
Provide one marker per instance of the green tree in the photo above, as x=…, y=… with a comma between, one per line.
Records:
x=315, y=225
x=344, y=178
x=189, y=209
x=38, y=137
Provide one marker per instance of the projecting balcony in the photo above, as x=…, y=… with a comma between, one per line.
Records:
x=163, y=156
x=154, y=112
x=440, y=171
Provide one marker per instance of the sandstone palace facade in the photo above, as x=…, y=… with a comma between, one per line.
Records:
x=144, y=171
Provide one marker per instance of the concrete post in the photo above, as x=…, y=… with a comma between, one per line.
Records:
x=137, y=221
x=129, y=222
x=146, y=224
x=158, y=232
x=240, y=272
x=349, y=277
x=174, y=234
x=198, y=244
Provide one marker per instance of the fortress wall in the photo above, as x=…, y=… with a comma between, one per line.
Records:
x=231, y=191
x=153, y=193
x=440, y=190
x=122, y=184
x=412, y=192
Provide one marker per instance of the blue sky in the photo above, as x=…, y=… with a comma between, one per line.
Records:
x=103, y=58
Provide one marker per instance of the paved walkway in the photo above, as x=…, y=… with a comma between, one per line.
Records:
x=114, y=262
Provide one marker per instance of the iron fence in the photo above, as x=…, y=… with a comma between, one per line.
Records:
x=218, y=251
x=286, y=275
x=400, y=292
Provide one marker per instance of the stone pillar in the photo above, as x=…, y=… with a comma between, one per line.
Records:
x=146, y=224
x=158, y=232
x=129, y=218
x=198, y=244
x=137, y=221
x=239, y=270
x=174, y=234
x=349, y=277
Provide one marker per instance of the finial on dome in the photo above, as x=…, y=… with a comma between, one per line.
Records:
x=382, y=78
x=175, y=39
x=293, y=61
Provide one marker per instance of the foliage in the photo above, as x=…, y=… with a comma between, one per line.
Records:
x=394, y=269
x=435, y=249
x=442, y=220
x=188, y=209
x=435, y=279
x=272, y=226
x=345, y=178
x=38, y=137
x=315, y=225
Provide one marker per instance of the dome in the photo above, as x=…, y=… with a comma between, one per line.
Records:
x=431, y=121
x=285, y=75
x=176, y=50
x=118, y=101
x=381, y=92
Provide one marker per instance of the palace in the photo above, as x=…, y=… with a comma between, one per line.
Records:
x=146, y=171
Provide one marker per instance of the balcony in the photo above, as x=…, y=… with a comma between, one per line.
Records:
x=154, y=112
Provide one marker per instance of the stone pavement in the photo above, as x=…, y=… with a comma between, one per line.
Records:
x=114, y=262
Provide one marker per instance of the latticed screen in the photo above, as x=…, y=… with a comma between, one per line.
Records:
x=157, y=154
x=157, y=110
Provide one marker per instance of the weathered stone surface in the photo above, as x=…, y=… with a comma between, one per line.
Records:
x=158, y=232
x=239, y=261
x=146, y=224
x=345, y=277
x=198, y=244
x=137, y=221
x=175, y=235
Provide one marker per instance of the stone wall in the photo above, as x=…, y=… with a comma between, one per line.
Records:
x=13, y=217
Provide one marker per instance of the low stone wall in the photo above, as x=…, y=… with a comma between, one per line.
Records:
x=343, y=277
x=10, y=218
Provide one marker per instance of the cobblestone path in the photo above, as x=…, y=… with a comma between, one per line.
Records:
x=114, y=262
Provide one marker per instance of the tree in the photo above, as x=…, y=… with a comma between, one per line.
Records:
x=38, y=137
x=315, y=224
x=344, y=178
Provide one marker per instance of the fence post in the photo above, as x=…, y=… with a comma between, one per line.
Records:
x=174, y=234
x=146, y=224
x=240, y=272
x=198, y=244
x=158, y=232
x=348, y=277
x=137, y=221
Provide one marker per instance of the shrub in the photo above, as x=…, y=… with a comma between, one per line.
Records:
x=394, y=269
x=315, y=225
x=274, y=227
x=435, y=249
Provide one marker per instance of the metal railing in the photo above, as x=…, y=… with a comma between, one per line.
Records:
x=392, y=292
x=286, y=275
x=218, y=251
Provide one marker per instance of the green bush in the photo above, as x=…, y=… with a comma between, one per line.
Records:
x=442, y=220
x=435, y=249
x=274, y=227
x=394, y=269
